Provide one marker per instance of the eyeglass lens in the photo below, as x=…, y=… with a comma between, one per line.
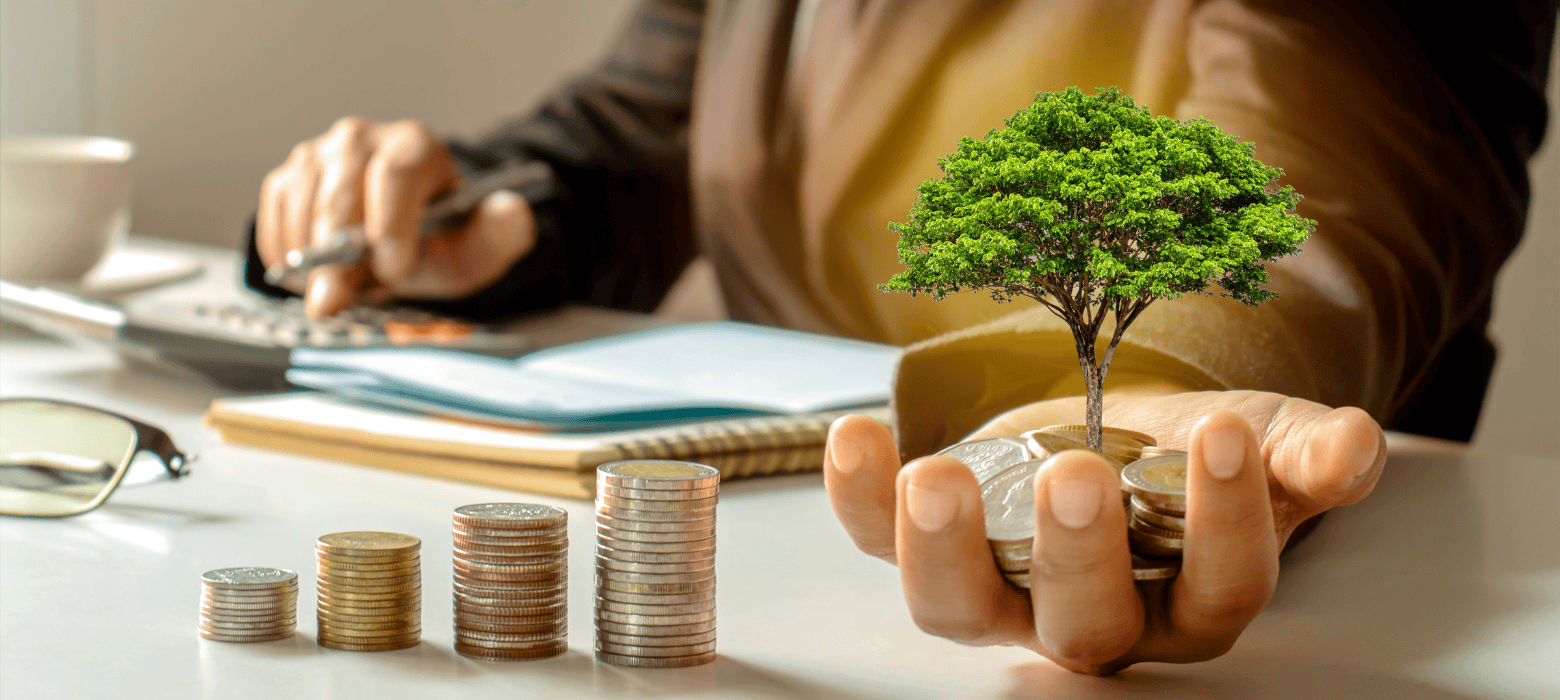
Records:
x=57, y=459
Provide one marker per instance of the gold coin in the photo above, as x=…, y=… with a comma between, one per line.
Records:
x=411, y=601
x=368, y=543
x=1154, y=451
x=393, y=646
x=368, y=636
x=375, y=584
x=367, y=562
x=654, y=662
x=1122, y=434
x=338, y=624
x=350, y=619
x=369, y=592
x=1160, y=482
x=371, y=574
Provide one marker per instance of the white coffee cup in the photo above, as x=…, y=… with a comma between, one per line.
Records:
x=64, y=200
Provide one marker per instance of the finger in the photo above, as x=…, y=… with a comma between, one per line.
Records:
x=951, y=582
x=331, y=289
x=1087, y=610
x=1331, y=458
x=859, y=465
x=1230, y=563
x=268, y=219
x=500, y=232
x=407, y=169
x=297, y=210
x=343, y=156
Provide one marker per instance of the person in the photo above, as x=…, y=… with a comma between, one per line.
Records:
x=778, y=138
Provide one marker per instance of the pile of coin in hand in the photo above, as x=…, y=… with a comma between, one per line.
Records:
x=370, y=591
x=511, y=581
x=655, y=563
x=1158, y=503
x=1005, y=468
x=248, y=604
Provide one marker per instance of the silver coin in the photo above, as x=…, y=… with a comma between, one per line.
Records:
x=468, y=635
x=667, y=641
x=653, y=630
x=987, y=458
x=607, y=488
x=655, y=588
x=287, y=634
x=693, y=576
x=229, y=606
x=667, y=542
x=1142, y=511
x=658, y=474
x=1155, y=451
x=1009, y=501
x=655, y=598
x=642, y=651
x=643, y=568
x=702, y=606
x=629, y=618
x=609, y=501
x=642, y=662
x=1154, y=568
x=247, y=577
x=505, y=644
x=656, y=516
x=623, y=525
x=525, y=515
x=678, y=557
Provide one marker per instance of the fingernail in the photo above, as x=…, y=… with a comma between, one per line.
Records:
x=845, y=455
x=931, y=510
x=1074, y=502
x=1364, y=470
x=1224, y=449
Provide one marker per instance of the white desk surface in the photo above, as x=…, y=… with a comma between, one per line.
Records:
x=1443, y=584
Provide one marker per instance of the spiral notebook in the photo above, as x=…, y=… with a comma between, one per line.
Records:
x=559, y=463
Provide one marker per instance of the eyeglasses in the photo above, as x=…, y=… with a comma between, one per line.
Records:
x=59, y=458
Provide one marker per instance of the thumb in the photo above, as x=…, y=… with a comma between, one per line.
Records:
x=331, y=288
x=500, y=232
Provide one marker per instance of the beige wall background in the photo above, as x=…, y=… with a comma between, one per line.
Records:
x=215, y=92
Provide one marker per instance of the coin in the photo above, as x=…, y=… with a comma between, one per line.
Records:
x=987, y=458
x=705, y=516
x=367, y=543
x=1154, y=568
x=267, y=627
x=651, y=652
x=1080, y=433
x=485, y=567
x=1141, y=511
x=658, y=474
x=486, y=654
x=363, y=593
x=516, y=515
x=667, y=641
x=371, y=577
x=218, y=614
x=535, y=576
x=702, y=606
x=400, y=567
x=401, y=618
x=654, y=630
x=655, y=599
x=654, y=662
x=1143, y=543
x=508, y=599
x=624, y=526
x=607, y=562
x=645, y=543
x=694, y=576
x=368, y=636
x=247, y=640
x=366, y=585
x=497, y=538
x=1154, y=451
x=1009, y=501
x=670, y=557
x=610, y=489
x=549, y=559
x=555, y=627
x=518, y=613
x=337, y=623
x=324, y=599
x=629, y=618
x=607, y=501
x=490, y=643
x=365, y=563
x=1160, y=482
x=392, y=646
x=250, y=577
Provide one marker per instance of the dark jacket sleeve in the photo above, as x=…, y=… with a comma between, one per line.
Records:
x=614, y=227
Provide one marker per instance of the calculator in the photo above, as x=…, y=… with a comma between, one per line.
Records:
x=243, y=346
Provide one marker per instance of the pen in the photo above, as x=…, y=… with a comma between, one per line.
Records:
x=346, y=246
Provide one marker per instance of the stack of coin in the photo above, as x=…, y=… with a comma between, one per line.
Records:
x=655, y=563
x=1158, y=488
x=370, y=591
x=511, y=581
x=1120, y=445
x=248, y=604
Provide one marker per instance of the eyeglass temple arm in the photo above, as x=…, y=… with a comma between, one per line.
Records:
x=156, y=441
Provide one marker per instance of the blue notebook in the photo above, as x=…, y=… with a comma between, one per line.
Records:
x=662, y=375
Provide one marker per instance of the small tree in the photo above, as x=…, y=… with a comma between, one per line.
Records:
x=1089, y=205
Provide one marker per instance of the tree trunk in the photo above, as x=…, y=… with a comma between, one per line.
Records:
x=1093, y=381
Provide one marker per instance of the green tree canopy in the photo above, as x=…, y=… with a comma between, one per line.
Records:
x=1090, y=205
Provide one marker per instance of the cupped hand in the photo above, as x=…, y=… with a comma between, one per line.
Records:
x=1259, y=464
x=383, y=176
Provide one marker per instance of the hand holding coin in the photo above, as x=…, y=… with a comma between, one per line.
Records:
x=1083, y=609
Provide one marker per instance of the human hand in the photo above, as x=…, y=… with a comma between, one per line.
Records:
x=1246, y=492
x=383, y=176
